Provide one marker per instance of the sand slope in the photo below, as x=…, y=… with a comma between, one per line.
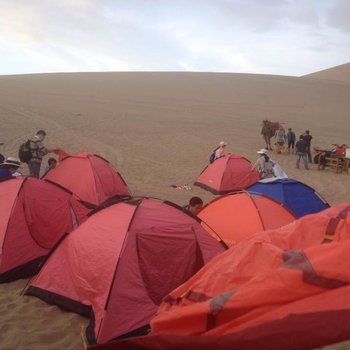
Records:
x=158, y=129
x=338, y=73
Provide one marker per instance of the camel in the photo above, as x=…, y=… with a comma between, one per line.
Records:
x=268, y=131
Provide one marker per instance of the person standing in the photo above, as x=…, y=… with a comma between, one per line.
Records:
x=307, y=137
x=301, y=151
x=280, y=139
x=220, y=152
x=38, y=151
x=291, y=140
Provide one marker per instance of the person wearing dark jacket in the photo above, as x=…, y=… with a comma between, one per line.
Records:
x=291, y=140
x=307, y=137
x=301, y=151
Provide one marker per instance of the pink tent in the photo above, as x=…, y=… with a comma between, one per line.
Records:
x=229, y=173
x=121, y=263
x=90, y=177
x=34, y=216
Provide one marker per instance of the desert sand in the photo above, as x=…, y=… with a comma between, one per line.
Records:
x=158, y=129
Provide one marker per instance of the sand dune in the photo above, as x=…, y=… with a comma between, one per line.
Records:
x=338, y=73
x=158, y=129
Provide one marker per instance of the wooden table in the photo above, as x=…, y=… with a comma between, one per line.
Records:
x=338, y=163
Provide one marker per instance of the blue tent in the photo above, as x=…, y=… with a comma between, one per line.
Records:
x=301, y=199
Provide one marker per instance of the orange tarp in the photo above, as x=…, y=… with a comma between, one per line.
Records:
x=268, y=277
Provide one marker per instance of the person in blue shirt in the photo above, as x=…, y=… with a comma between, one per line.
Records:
x=9, y=167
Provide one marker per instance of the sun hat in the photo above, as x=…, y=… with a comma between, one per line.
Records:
x=262, y=151
x=222, y=143
x=12, y=161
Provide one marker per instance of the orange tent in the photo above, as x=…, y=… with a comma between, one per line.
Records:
x=283, y=289
x=240, y=215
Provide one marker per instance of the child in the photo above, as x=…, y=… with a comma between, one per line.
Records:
x=51, y=164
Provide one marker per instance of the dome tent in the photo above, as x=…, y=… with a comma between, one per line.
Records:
x=240, y=215
x=229, y=173
x=90, y=177
x=135, y=252
x=35, y=215
x=301, y=199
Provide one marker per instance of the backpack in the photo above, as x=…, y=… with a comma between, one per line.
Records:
x=24, y=152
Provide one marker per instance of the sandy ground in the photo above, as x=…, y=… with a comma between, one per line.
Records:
x=158, y=129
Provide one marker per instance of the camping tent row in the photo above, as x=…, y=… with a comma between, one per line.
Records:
x=121, y=262
x=293, y=294
x=234, y=172
x=36, y=214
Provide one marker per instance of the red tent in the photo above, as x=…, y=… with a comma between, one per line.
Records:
x=121, y=262
x=240, y=215
x=284, y=289
x=90, y=177
x=34, y=215
x=229, y=173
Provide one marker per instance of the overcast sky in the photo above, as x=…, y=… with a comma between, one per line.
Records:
x=288, y=37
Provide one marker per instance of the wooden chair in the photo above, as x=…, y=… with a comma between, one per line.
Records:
x=346, y=165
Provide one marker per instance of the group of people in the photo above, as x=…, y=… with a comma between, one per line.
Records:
x=302, y=147
x=282, y=140
x=9, y=166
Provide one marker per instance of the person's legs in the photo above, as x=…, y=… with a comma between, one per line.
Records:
x=298, y=159
x=34, y=168
x=305, y=161
x=309, y=154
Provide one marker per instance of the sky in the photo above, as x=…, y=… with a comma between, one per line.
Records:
x=282, y=37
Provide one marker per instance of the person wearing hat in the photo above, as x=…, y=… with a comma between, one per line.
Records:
x=264, y=165
x=220, y=151
x=9, y=168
